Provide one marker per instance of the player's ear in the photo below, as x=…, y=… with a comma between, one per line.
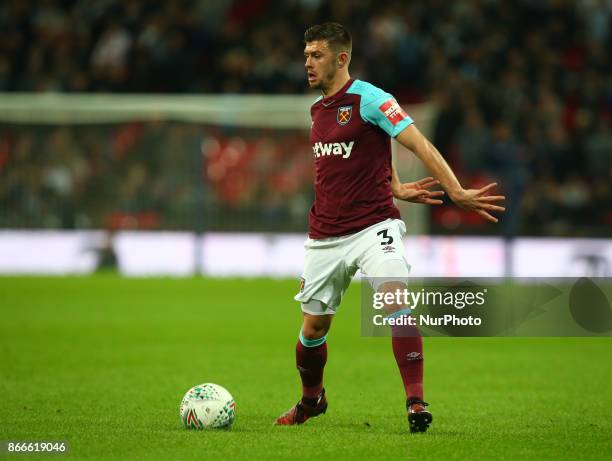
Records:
x=343, y=59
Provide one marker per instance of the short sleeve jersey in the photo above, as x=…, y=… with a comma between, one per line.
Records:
x=351, y=143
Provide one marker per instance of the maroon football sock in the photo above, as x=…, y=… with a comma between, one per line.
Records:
x=310, y=362
x=408, y=350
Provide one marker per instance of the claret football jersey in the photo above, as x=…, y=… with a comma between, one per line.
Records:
x=351, y=145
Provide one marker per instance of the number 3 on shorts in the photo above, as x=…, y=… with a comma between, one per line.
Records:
x=385, y=235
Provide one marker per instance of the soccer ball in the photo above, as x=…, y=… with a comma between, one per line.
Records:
x=207, y=406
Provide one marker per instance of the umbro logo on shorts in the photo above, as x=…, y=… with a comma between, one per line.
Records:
x=413, y=356
x=389, y=249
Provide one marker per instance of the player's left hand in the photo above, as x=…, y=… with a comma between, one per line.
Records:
x=477, y=200
x=417, y=192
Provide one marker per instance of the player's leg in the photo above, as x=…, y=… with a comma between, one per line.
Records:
x=324, y=281
x=383, y=260
x=311, y=355
x=310, y=359
x=407, y=345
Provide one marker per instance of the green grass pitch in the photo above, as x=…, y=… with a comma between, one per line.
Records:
x=103, y=363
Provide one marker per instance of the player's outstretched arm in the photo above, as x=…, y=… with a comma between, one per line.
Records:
x=469, y=199
x=416, y=192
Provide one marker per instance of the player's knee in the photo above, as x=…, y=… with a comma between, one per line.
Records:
x=315, y=326
x=313, y=333
x=392, y=287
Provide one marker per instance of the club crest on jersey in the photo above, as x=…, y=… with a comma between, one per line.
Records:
x=344, y=114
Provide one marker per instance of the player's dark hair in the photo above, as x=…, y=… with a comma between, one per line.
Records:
x=337, y=36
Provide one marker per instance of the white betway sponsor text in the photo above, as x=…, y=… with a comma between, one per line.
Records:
x=321, y=149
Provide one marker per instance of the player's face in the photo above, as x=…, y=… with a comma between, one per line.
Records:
x=320, y=64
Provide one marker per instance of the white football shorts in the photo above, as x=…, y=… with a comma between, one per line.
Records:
x=331, y=263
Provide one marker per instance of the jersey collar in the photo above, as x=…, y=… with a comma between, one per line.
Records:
x=333, y=98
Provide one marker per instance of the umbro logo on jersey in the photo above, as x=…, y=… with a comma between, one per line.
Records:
x=321, y=149
x=344, y=114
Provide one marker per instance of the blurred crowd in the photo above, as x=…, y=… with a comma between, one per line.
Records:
x=523, y=91
x=154, y=175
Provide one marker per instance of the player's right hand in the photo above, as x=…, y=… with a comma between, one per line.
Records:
x=477, y=200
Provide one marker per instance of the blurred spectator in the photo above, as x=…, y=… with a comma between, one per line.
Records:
x=473, y=139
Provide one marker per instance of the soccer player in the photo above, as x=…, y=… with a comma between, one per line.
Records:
x=353, y=223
